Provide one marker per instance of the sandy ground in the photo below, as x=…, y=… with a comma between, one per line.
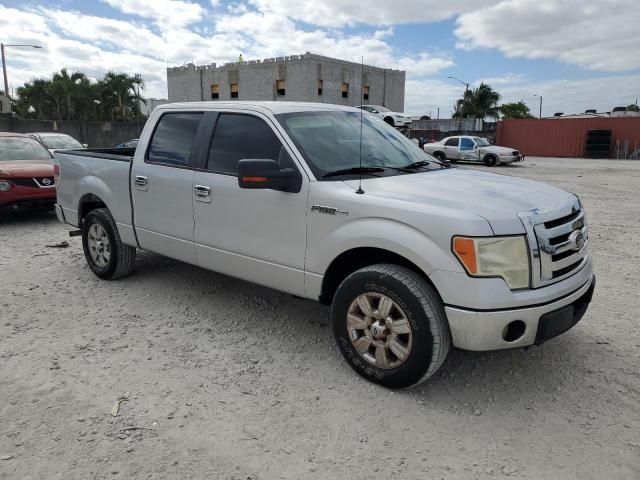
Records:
x=229, y=380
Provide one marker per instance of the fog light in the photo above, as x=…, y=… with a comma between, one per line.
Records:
x=5, y=186
x=514, y=331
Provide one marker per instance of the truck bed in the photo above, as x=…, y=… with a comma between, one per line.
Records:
x=94, y=176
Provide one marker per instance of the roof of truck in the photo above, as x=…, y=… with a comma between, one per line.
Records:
x=271, y=107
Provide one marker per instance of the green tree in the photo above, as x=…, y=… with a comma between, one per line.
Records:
x=515, y=110
x=480, y=102
x=633, y=108
x=73, y=96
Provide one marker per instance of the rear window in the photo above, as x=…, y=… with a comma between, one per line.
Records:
x=173, y=139
x=19, y=148
x=452, y=142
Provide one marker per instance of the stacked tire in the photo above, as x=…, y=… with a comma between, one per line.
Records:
x=598, y=144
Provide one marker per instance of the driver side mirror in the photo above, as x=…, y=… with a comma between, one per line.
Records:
x=267, y=175
x=85, y=145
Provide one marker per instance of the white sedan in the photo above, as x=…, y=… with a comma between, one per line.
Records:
x=394, y=119
x=472, y=149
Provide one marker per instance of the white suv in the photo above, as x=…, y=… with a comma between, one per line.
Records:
x=395, y=119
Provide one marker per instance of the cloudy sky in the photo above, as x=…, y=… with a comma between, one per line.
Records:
x=577, y=54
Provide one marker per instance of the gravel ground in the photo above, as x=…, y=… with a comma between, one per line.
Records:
x=224, y=379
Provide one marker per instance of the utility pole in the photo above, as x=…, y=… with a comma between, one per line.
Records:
x=464, y=99
x=536, y=95
x=438, y=118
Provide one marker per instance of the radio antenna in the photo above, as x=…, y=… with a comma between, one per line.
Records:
x=360, y=191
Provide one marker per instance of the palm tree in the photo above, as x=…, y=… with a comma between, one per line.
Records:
x=121, y=93
x=480, y=102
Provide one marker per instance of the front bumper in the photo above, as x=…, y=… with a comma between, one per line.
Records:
x=22, y=196
x=480, y=330
x=510, y=158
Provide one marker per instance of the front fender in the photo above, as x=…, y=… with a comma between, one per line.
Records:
x=375, y=232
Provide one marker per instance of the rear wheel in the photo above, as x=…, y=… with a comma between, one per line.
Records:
x=390, y=325
x=104, y=251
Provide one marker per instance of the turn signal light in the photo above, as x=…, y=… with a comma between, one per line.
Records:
x=56, y=173
x=254, y=179
x=465, y=250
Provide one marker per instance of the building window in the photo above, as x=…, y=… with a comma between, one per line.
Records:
x=345, y=90
x=320, y=84
x=365, y=92
x=234, y=90
x=215, y=92
x=280, y=87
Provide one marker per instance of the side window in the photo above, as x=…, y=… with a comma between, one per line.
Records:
x=239, y=137
x=173, y=139
x=452, y=142
x=466, y=144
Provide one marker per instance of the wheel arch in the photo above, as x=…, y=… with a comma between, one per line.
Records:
x=88, y=202
x=356, y=258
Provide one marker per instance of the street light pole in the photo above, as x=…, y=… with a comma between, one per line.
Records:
x=4, y=64
x=535, y=95
x=466, y=92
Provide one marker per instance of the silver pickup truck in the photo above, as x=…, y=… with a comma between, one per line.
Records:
x=319, y=201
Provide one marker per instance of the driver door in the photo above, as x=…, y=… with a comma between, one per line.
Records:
x=468, y=149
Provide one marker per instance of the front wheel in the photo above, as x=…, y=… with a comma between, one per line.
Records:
x=390, y=325
x=104, y=251
x=490, y=160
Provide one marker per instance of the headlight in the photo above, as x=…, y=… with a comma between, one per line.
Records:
x=506, y=257
x=4, y=186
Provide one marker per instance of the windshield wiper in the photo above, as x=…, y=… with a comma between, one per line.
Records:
x=354, y=170
x=421, y=163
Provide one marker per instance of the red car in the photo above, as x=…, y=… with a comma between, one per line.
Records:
x=26, y=172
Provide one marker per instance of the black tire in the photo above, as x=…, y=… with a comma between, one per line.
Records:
x=121, y=258
x=390, y=121
x=440, y=156
x=420, y=303
x=490, y=160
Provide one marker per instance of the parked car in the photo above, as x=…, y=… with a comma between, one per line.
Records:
x=133, y=143
x=413, y=255
x=394, y=119
x=57, y=141
x=26, y=172
x=472, y=149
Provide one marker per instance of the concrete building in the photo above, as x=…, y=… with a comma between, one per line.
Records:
x=303, y=78
x=151, y=104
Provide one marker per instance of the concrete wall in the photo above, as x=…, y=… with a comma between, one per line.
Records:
x=95, y=134
x=257, y=81
x=5, y=104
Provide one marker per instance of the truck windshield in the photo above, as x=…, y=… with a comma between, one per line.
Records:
x=19, y=148
x=330, y=142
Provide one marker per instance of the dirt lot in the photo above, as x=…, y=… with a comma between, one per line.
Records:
x=233, y=381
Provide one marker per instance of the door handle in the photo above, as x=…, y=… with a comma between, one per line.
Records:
x=141, y=182
x=202, y=193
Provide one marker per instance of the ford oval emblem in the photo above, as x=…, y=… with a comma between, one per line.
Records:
x=577, y=240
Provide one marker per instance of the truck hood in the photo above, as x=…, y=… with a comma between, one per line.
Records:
x=496, y=198
x=26, y=168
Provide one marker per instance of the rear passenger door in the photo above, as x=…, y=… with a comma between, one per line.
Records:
x=451, y=148
x=256, y=235
x=162, y=185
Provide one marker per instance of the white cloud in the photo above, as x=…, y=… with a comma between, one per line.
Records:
x=339, y=13
x=593, y=34
x=167, y=13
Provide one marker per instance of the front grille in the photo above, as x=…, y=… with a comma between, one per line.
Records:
x=560, y=253
x=24, y=182
x=38, y=182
